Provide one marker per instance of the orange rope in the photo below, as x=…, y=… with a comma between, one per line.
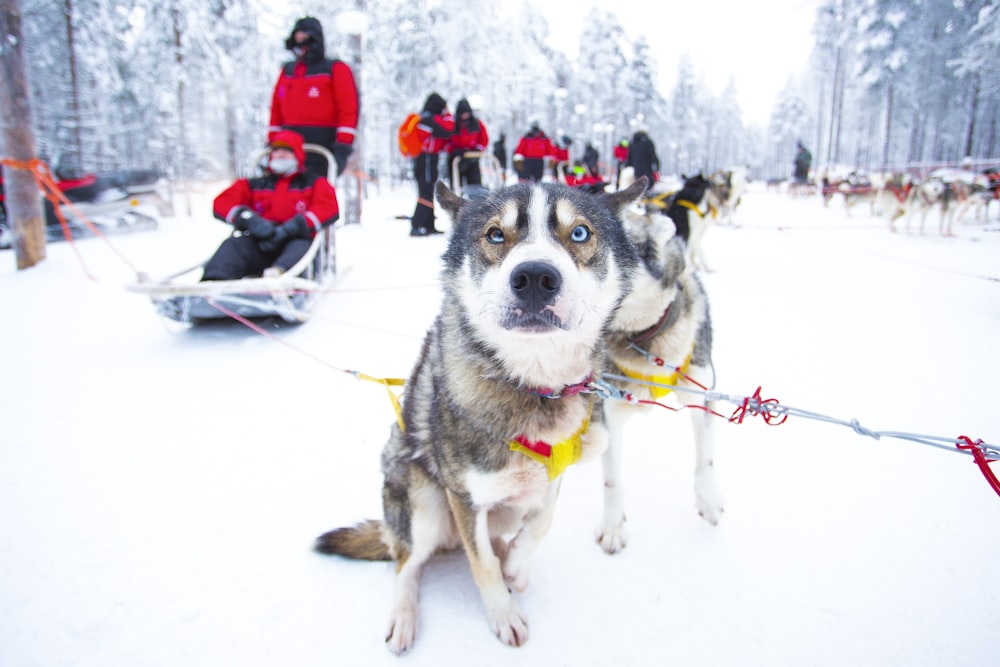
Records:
x=50, y=189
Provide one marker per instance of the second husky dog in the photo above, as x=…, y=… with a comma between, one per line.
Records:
x=660, y=335
x=498, y=403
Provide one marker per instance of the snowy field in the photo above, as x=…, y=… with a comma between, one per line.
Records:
x=161, y=486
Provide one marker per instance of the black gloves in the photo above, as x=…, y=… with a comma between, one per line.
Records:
x=258, y=227
x=341, y=152
x=293, y=228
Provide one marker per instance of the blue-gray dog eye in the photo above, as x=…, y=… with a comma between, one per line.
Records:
x=580, y=234
x=494, y=235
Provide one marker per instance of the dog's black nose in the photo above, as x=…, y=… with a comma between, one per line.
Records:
x=536, y=284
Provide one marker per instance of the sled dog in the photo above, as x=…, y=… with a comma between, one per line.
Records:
x=499, y=401
x=693, y=209
x=660, y=335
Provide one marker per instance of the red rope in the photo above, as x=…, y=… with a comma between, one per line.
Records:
x=979, y=455
x=769, y=417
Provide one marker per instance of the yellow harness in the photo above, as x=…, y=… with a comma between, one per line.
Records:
x=556, y=458
x=694, y=207
x=654, y=389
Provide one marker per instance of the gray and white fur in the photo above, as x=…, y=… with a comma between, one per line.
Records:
x=532, y=275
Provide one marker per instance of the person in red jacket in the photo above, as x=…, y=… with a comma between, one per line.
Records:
x=531, y=152
x=277, y=214
x=316, y=96
x=470, y=136
x=436, y=127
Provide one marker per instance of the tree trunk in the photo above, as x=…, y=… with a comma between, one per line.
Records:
x=76, y=151
x=24, y=206
x=972, y=119
x=887, y=140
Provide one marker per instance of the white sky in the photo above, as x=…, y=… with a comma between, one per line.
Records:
x=758, y=44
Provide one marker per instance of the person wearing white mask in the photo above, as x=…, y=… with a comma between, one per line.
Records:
x=274, y=216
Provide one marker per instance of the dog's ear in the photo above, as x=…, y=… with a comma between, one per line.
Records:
x=621, y=199
x=449, y=201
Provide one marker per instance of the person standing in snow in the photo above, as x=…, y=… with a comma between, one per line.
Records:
x=470, y=136
x=532, y=151
x=642, y=156
x=436, y=127
x=278, y=214
x=500, y=153
x=316, y=97
x=803, y=162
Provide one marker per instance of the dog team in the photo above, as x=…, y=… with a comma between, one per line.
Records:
x=562, y=312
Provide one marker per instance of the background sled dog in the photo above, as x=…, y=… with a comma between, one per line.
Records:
x=692, y=213
x=498, y=402
x=665, y=316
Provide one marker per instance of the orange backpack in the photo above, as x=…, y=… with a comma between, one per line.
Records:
x=411, y=140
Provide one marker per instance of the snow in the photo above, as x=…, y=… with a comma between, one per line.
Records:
x=161, y=485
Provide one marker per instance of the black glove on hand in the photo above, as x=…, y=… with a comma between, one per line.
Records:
x=293, y=228
x=341, y=152
x=248, y=221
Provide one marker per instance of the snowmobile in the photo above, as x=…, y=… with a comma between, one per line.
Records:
x=114, y=202
x=290, y=296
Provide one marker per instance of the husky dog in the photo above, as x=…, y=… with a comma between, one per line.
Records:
x=660, y=335
x=728, y=188
x=498, y=402
x=690, y=211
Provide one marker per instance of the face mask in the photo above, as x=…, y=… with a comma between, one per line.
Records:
x=283, y=165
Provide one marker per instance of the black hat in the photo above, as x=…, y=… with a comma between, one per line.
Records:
x=435, y=103
x=309, y=25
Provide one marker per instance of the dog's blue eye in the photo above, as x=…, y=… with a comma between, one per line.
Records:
x=494, y=235
x=580, y=234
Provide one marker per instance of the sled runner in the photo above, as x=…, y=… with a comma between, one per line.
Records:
x=291, y=295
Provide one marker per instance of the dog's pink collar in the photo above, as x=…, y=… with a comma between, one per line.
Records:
x=567, y=389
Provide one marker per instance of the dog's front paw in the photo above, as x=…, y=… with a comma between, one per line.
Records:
x=707, y=498
x=509, y=624
x=402, y=630
x=612, y=538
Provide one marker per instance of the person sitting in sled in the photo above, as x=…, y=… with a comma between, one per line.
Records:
x=277, y=214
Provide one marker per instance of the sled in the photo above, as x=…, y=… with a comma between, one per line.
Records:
x=114, y=202
x=290, y=296
x=489, y=169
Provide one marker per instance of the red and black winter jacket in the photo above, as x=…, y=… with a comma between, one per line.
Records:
x=534, y=145
x=437, y=130
x=280, y=198
x=319, y=100
x=469, y=136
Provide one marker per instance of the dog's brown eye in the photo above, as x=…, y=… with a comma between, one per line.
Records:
x=494, y=235
x=580, y=234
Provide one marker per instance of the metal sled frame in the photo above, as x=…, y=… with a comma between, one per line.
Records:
x=291, y=295
x=489, y=168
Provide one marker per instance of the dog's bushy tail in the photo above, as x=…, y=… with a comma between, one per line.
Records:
x=360, y=542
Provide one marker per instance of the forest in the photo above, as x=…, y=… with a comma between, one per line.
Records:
x=185, y=85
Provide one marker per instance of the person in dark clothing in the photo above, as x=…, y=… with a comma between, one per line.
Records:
x=532, y=151
x=803, y=162
x=590, y=159
x=642, y=157
x=500, y=153
x=436, y=126
x=278, y=214
x=470, y=137
x=316, y=97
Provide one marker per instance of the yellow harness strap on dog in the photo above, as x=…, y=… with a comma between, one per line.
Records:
x=658, y=391
x=556, y=458
x=387, y=383
x=694, y=207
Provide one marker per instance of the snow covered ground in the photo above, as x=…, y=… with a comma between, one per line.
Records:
x=160, y=486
